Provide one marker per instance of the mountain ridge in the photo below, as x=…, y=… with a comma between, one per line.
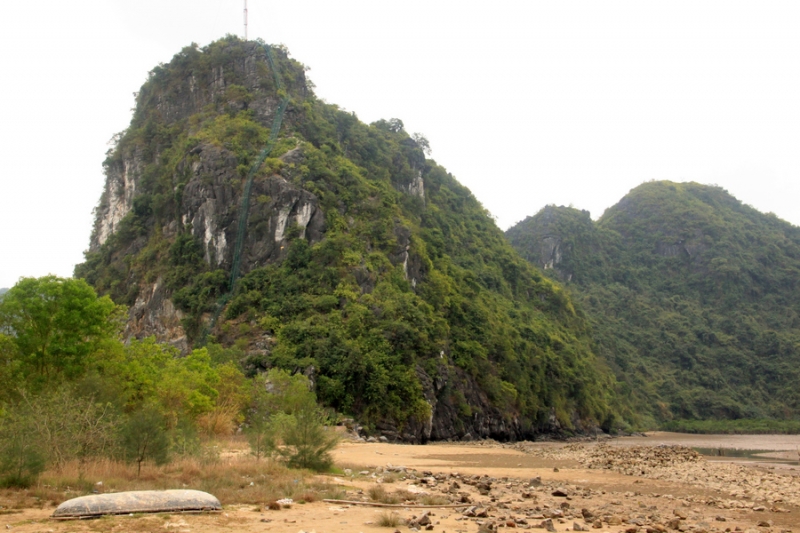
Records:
x=365, y=265
x=691, y=295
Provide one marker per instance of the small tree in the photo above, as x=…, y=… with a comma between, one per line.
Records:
x=285, y=420
x=22, y=456
x=145, y=437
x=307, y=443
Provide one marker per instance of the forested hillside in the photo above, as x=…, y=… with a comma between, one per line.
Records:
x=693, y=298
x=365, y=265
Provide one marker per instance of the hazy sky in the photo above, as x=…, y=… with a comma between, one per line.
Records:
x=527, y=103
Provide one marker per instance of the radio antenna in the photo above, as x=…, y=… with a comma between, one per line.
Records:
x=245, y=20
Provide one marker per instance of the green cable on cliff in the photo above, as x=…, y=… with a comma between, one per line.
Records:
x=244, y=207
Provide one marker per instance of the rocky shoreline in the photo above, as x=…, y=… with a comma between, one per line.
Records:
x=673, y=488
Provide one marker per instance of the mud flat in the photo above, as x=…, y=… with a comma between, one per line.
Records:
x=617, y=486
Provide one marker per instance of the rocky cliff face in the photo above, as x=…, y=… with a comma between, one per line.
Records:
x=561, y=240
x=363, y=264
x=211, y=195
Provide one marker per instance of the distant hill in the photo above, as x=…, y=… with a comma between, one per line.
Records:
x=693, y=297
x=3, y=291
x=364, y=264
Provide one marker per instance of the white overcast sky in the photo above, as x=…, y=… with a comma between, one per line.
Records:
x=527, y=103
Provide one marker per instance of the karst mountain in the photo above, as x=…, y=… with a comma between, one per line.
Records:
x=241, y=211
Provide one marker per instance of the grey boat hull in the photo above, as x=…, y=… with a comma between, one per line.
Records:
x=139, y=501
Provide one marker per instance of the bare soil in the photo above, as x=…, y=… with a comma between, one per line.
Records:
x=631, y=485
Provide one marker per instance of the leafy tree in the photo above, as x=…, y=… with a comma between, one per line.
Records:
x=56, y=323
x=276, y=397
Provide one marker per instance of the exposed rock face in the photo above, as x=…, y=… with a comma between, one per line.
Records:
x=210, y=206
x=548, y=245
x=413, y=269
x=212, y=196
x=211, y=203
x=450, y=396
x=117, y=198
x=417, y=186
x=154, y=314
x=194, y=92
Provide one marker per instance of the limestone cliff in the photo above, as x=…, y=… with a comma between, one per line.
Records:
x=363, y=264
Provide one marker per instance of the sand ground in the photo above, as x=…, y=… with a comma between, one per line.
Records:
x=671, y=495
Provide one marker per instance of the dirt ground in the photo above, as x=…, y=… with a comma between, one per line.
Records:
x=631, y=485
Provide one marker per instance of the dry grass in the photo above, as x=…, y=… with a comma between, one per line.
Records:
x=333, y=492
x=378, y=493
x=389, y=520
x=433, y=499
x=220, y=422
x=307, y=497
x=405, y=496
x=391, y=477
x=234, y=478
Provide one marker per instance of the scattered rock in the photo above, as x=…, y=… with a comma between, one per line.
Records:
x=675, y=523
x=548, y=525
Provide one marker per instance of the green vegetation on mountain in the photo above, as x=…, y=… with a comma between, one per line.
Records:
x=692, y=296
x=406, y=300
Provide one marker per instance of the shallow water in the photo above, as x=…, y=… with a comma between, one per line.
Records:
x=752, y=455
x=776, y=450
x=760, y=443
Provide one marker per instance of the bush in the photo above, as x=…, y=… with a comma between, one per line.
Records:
x=307, y=442
x=22, y=456
x=285, y=420
x=144, y=437
x=389, y=520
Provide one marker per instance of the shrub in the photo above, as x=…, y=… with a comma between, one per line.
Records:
x=285, y=420
x=307, y=442
x=389, y=520
x=144, y=437
x=22, y=456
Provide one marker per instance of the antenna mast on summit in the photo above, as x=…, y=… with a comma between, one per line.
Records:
x=245, y=20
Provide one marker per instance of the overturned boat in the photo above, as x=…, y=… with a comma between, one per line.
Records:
x=139, y=501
